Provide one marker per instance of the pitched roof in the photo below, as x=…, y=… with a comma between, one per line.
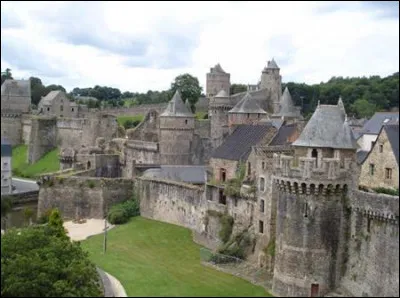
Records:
x=327, y=128
x=374, y=125
x=287, y=107
x=217, y=68
x=177, y=108
x=272, y=64
x=187, y=174
x=48, y=99
x=6, y=149
x=16, y=88
x=361, y=156
x=237, y=146
x=247, y=105
x=284, y=132
x=392, y=132
x=222, y=93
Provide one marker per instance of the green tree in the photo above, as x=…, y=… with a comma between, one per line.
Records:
x=237, y=88
x=363, y=108
x=37, y=264
x=38, y=90
x=189, y=88
x=6, y=75
x=55, y=226
x=6, y=207
x=28, y=215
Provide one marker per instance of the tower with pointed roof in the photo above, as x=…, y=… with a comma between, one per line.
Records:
x=272, y=81
x=246, y=111
x=177, y=125
x=312, y=186
x=217, y=79
x=287, y=110
x=218, y=108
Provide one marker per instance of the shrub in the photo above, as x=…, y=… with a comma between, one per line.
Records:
x=226, y=222
x=120, y=213
x=388, y=191
x=91, y=184
x=44, y=218
x=118, y=216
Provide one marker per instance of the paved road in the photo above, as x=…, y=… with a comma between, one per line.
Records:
x=24, y=185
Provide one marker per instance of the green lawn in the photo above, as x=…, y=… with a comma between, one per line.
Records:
x=122, y=119
x=152, y=258
x=48, y=163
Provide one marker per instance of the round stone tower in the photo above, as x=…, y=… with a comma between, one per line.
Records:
x=271, y=80
x=312, y=214
x=177, y=124
x=218, y=110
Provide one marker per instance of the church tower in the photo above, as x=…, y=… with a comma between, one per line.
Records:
x=177, y=124
x=272, y=81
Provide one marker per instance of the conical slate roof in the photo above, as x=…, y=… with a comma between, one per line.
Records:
x=327, y=128
x=247, y=105
x=272, y=64
x=287, y=107
x=176, y=107
x=340, y=104
x=222, y=93
x=218, y=68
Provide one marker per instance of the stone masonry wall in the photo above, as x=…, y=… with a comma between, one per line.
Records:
x=172, y=202
x=83, y=197
x=230, y=167
x=43, y=137
x=11, y=128
x=381, y=161
x=373, y=249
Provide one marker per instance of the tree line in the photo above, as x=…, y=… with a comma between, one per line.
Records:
x=362, y=96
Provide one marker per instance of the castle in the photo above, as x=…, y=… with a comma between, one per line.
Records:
x=298, y=191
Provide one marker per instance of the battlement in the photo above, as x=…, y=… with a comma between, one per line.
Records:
x=305, y=168
x=10, y=114
x=143, y=145
x=378, y=206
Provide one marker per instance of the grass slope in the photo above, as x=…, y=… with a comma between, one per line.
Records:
x=48, y=163
x=122, y=119
x=152, y=258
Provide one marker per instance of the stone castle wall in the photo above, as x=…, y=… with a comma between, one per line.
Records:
x=11, y=128
x=83, y=197
x=373, y=246
x=43, y=137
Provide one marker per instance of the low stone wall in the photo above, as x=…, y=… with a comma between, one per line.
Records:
x=373, y=248
x=173, y=202
x=83, y=197
x=23, y=198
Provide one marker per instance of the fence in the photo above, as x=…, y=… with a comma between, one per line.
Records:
x=238, y=267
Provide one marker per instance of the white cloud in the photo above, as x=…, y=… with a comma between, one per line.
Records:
x=134, y=45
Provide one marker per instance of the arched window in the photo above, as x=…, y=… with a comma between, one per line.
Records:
x=262, y=184
x=88, y=164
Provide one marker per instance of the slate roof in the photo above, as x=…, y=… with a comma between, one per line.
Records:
x=187, y=174
x=272, y=64
x=374, y=125
x=48, y=99
x=327, y=128
x=6, y=149
x=287, y=107
x=222, y=93
x=16, y=88
x=284, y=132
x=237, y=146
x=247, y=105
x=361, y=155
x=392, y=131
x=218, y=69
x=177, y=108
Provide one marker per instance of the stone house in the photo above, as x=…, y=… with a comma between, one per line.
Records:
x=56, y=103
x=380, y=168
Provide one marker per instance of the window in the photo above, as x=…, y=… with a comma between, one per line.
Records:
x=380, y=148
x=248, y=116
x=371, y=169
x=372, y=144
x=222, y=197
x=388, y=173
x=261, y=227
x=262, y=184
x=263, y=165
x=72, y=109
x=186, y=121
x=88, y=164
x=222, y=175
x=262, y=206
x=369, y=225
x=61, y=108
x=314, y=154
x=48, y=109
x=305, y=209
x=235, y=201
x=249, y=168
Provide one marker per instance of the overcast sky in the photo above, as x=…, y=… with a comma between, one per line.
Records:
x=138, y=46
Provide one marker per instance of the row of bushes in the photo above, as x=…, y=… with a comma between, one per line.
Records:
x=121, y=213
x=384, y=190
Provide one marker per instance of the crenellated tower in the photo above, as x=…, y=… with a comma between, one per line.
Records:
x=312, y=214
x=272, y=81
x=217, y=79
x=177, y=125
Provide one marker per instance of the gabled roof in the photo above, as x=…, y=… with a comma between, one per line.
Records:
x=284, y=132
x=392, y=132
x=374, y=125
x=221, y=93
x=187, y=174
x=177, y=108
x=327, y=128
x=218, y=69
x=48, y=99
x=237, y=146
x=247, y=105
x=6, y=149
